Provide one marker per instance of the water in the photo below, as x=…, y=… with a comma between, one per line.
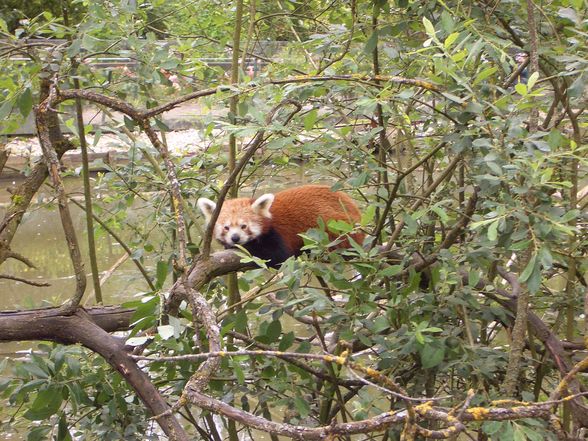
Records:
x=41, y=239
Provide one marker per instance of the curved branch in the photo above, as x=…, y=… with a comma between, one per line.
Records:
x=16, y=256
x=90, y=328
x=20, y=279
x=430, y=189
x=347, y=43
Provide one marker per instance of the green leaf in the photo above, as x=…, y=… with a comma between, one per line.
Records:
x=521, y=89
x=532, y=80
x=432, y=355
x=302, y=406
x=452, y=97
x=391, y=271
x=371, y=43
x=522, y=245
x=309, y=119
x=5, y=109
x=241, y=321
x=545, y=257
x=161, y=125
x=450, y=40
x=429, y=28
x=531, y=434
x=478, y=224
x=491, y=427
x=25, y=102
x=39, y=433
x=339, y=226
x=273, y=331
x=379, y=324
x=485, y=74
x=493, y=231
x=432, y=329
x=411, y=224
x=238, y=372
x=35, y=370
x=286, y=341
x=528, y=269
x=441, y=213
x=77, y=395
x=534, y=281
x=162, y=268
x=519, y=435
x=62, y=430
x=46, y=403
x=129, y=123
x=368, y=215
x=165, y=331
x=473, y=278
x=74, y=48
x=447, y=21
x=137, y=341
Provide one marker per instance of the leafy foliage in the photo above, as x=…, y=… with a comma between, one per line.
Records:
x=437, y=332
x=68, y=395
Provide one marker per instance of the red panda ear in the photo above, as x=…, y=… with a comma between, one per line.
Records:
x=207, y=207
x=262, y=205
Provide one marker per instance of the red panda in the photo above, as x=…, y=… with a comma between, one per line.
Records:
x=269, y=226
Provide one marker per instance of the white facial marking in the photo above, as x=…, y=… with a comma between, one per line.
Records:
x=255, y=229
x=218, y=231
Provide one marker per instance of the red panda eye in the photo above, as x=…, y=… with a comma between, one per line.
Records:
x=243, y=226
x=226, y=228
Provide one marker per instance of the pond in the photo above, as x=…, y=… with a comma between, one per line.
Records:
x=40, y=238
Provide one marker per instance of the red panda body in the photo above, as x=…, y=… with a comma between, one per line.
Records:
x=269, y=226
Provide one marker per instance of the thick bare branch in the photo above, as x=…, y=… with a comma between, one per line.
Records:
x=203, y=315
x=52, y=159
x=23, y=194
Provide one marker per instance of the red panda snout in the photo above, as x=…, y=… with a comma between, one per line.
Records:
x=235, y=233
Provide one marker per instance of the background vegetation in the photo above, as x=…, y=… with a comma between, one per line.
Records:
x=463, y=315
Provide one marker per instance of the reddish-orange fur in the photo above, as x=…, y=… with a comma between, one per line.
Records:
x=298, y=209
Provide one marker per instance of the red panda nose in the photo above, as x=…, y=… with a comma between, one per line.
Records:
x=235, y=238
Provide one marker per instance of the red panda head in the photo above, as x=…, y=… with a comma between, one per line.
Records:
x=240, y=220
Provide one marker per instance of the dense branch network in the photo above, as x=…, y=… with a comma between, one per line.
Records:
x=72, y=325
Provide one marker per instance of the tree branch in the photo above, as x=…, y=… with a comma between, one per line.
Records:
x=52, y=159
